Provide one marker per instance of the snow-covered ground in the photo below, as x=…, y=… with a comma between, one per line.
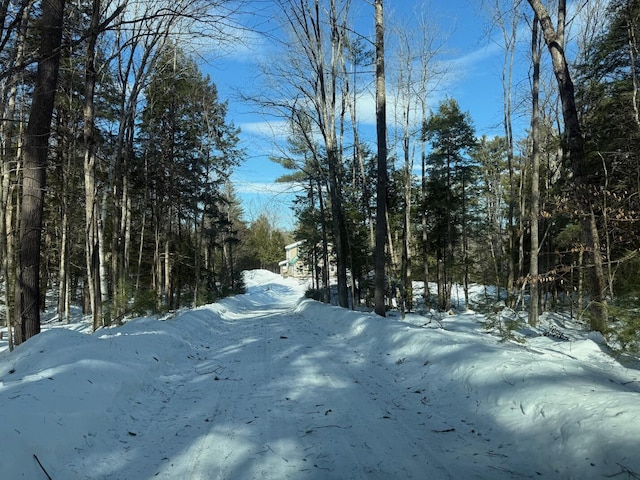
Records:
x=267, y=385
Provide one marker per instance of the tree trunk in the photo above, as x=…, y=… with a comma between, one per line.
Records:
x=465, y=244
x=381, y=191
x=325, y=248
x=328, y=92
x=423, y=215
x=90, y=172
x=510, y=39
x=11, y=153
x=554, y=39
x=64, y=263
x=34, y=173
x=407, y=291
x=535, y=177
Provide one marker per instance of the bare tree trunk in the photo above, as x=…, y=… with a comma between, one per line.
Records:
x=465, y=245
x=507, y=85
x=633, y=54
x=605, y=228
x=406, y=237
x=140, y=252
x=11, y=155
x=423, y=216
x=535, y=177
x=554, y=39
x=325, y=248
x=34, y=174
x=381, y=191
x=198, y=228
x=92, y=211
x=63, y=268
x=406, y=100
x=102, y=255
x=6, y=225
x=328, y=91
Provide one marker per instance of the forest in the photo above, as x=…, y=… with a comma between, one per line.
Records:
x=117, y=154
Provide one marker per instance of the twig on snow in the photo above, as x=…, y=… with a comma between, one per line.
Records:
x=630, y=473
x=43, y=469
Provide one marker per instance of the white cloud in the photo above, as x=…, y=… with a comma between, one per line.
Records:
x=270, y=129
x=266, y=188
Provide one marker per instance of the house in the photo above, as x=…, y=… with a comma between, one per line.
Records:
x=294, y=266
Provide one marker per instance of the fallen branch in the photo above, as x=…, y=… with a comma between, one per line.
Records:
x=43, y=469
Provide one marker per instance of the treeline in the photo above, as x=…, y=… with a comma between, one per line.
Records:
x=554, y=212
x=116, y=155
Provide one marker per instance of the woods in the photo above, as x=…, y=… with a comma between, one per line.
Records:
x=117, y=154
x=529, y=212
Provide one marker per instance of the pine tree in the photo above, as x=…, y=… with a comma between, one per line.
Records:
x=189, y=149
x=451, y=136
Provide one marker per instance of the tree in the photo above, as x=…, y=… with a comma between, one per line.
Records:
x=413, y=79
x=506, y=15
x=307, y=80
x=305, y=157
x=189, y=150
x=452, y=136
x=608, y=101
x=13, y=53
x=534, y=280
x=381, y=191
x=575, y=151
x=266, y=242
x=491, y=156
x=35, y=154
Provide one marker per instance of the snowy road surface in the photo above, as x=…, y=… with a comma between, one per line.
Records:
x=287, y=397
x=265, y=386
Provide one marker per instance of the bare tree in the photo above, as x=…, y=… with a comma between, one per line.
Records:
x=554, y=37
x=416, y=43
x=11, y=127
x=381, y=191
x=506, y=16
x=534, y=282
x=308, y=79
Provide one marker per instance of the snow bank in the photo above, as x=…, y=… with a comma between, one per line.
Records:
x=184, y=398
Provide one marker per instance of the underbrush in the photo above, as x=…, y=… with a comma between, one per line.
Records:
x=624, y=326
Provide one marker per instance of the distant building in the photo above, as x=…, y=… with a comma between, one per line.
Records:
x=294, y=266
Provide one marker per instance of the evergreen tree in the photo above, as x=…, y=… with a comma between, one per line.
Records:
x=189, y=150
x=451, y=135
x=609, y=99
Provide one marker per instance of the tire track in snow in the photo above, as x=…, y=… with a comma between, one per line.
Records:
x=274, y=401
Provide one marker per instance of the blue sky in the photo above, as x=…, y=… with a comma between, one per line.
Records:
x=466, y=49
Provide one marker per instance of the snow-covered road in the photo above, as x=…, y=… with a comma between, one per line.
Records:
x=287, y=397
x=264, y=385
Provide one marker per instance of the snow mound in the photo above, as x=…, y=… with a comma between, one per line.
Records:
x=272, y=385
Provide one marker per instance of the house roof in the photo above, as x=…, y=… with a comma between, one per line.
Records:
x=294, y=245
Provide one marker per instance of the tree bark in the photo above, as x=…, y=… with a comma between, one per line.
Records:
x=554, y=39
x=535, y=177
x=34, y=173
x=381, y=190
x=328, y=91
x=92, y=216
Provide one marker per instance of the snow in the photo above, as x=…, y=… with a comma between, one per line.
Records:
x=271, y=385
